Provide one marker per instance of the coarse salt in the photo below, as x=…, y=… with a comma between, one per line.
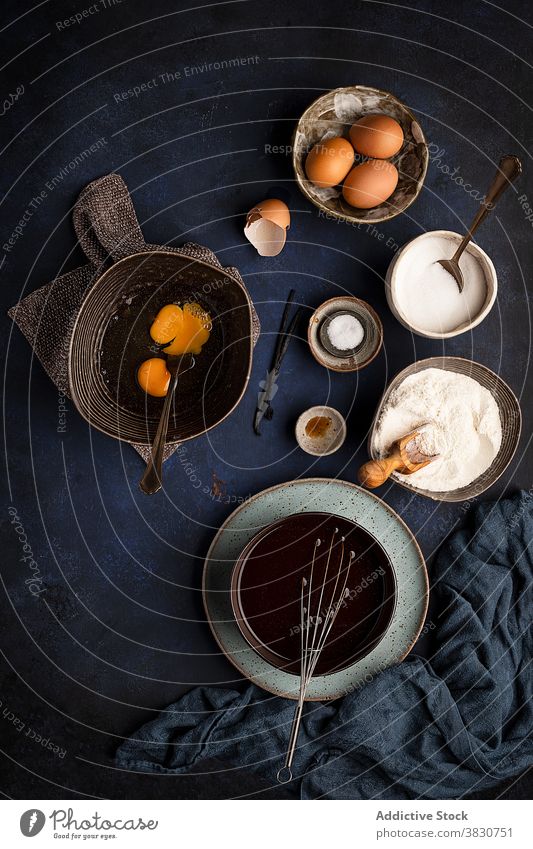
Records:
x=345, y=332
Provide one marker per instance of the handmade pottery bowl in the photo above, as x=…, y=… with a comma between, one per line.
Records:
x=266, y=588
x=338, y=498
x=333, y=114
x=394, y=274
x=111, y=338
x=364, y=353
x=321, y=444
x=510, y=416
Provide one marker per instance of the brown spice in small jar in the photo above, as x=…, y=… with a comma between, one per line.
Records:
x=317, y=427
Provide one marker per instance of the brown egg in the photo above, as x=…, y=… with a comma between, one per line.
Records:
x=378, y=136
x=370, y=184
x=329, y=161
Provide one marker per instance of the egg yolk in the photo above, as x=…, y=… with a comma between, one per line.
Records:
x=154, y=377
x=181, y=330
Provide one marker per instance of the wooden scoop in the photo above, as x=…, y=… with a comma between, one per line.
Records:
x=405, y=458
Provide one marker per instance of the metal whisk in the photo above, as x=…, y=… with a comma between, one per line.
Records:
x=313, y=644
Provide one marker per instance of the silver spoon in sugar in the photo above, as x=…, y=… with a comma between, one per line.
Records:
x=508, y=170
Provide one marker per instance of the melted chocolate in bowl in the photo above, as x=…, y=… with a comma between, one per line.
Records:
x=267, y=581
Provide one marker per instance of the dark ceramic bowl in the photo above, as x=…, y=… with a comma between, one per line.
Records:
x=266, y=588
x=111, y=338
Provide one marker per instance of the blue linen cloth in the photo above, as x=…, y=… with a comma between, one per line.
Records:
x=441, y=728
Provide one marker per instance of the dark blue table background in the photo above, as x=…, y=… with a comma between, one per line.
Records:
x=120, y=630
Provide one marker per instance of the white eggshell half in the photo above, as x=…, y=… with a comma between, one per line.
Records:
x=267, y=238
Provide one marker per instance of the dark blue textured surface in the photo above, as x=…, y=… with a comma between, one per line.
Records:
x=120, y=629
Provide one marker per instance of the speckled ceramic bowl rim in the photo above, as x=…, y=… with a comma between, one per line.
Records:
x=324, y=411
x=98, y=283
x=432, y=362
x=323, y=481
x=391, y=278
x=355, y=218
x=373, y=315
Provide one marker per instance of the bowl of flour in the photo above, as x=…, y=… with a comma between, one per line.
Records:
x=475, y=424
x=425, y=298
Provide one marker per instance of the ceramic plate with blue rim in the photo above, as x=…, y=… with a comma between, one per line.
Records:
x=343, y=499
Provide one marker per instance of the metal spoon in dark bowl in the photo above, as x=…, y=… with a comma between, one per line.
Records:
x=151, y=481
x=508, y=170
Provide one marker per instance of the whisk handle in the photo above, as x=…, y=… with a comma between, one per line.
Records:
x=375, y=472
x=285, y=773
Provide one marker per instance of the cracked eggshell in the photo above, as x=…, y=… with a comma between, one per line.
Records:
x=266, y=226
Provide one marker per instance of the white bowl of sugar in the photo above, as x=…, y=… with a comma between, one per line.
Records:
x=425, y=298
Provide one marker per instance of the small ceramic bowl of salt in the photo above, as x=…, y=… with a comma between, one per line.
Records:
x=425, y=298
x=345, y=334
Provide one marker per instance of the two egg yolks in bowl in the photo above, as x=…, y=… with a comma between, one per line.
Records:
x=179, y=330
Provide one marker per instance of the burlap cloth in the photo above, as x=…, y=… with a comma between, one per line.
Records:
x=107, y=229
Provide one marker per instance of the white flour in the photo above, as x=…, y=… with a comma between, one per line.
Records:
x=466, y=430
